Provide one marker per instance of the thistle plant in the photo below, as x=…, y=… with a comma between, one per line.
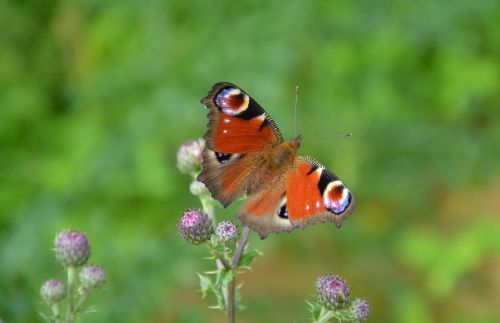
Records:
x=72, y=251
x=333, y=301
x=228, y=248
x=226, y=245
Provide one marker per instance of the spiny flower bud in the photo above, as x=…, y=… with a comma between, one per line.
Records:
x=189, y=156
x=195, y=226
x=53, y=291
x=360, y=309
x=332, y=291
x=92, y=277
x=226, y=231
x=72, y=248
x=198, y=188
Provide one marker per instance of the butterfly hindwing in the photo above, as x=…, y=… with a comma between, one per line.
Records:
x=263, y=210
x=315, y=194
x=225, y=175
x=308, y=193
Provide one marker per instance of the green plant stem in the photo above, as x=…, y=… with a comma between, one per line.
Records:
x=231, y=289
x=325, y=316
x=207, y=207
x=231, y=301
x=56, y=313
x=240, y=248
x=81, y=300
x=230, y=293
x=222, y=259
x=71, y=287
x=206, y=201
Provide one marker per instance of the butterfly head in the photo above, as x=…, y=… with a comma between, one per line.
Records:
x=284, y=153
x=295, y=142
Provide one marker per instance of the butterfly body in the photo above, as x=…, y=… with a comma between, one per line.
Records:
x=245, y=153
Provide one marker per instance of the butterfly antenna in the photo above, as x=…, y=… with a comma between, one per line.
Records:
x=295, y=114
x=330, y=138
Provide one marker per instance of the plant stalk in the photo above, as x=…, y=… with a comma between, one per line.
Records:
x=83, y=298
x=241, y=247
x=230, y=293
x=235, y=262
x=222, y=260
x=71, y=288
x=56, y=313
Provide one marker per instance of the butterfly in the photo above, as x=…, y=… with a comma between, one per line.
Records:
x=245, y=153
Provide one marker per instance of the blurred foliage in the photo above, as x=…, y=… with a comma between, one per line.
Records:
x=96, y=96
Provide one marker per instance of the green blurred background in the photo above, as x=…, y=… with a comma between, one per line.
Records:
x=96, y=97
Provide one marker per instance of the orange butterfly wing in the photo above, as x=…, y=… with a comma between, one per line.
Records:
x=308, y=193
x=238, y=130
x=237, y=124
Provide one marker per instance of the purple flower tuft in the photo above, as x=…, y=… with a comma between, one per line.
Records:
x=92, y=277
x=53, y=291
x=190, y=155
x=226, y=231
x=332, y=291
x=72, y=248
x=195, y=226
x=360, y=309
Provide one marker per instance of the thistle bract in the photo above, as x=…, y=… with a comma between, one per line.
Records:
x=53, y=291
x=332, y=291
x=72, y=248
x=195, y=226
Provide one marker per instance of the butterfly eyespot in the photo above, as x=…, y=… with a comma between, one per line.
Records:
x=232, y=101
x=283, y=212
x=336, y=197
x=222, y=158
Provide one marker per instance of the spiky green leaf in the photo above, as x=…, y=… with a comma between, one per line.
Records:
x=205, y=284
x=248, y=257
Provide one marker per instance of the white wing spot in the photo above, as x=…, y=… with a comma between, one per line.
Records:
x=337, y=205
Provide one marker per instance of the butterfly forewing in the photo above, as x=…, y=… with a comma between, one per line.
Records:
x=237, y=123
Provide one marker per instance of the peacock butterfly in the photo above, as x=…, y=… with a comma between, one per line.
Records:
x=245, y=153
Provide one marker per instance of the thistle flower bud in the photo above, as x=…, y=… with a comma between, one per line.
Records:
x=226, y=231
x=92, y=277
x=198, y=188
x=72, y=248
x=195, y=226
x=332, y=291
x=189, y=156
x=53, y=291
x=360, y=309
